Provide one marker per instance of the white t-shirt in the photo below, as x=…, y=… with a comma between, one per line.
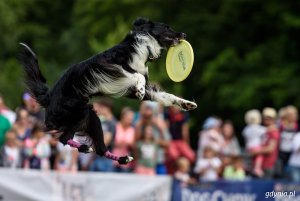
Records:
x=254, y=135
x=181, y=176
x=286, y=141
x=13, y=155
x=10, y=115
x=210, y=138
x=212, y=163
x=295, y=156
x=65, y=156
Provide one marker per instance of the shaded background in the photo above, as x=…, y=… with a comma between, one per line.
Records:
x=246, y=51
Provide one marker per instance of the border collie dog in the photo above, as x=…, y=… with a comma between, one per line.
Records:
x=119, y=71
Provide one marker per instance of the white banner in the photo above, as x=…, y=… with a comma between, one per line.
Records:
x=29, y=185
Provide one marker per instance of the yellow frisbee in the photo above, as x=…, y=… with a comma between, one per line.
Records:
x=180, y=60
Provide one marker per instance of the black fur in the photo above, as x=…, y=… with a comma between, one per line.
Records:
x=66, y=103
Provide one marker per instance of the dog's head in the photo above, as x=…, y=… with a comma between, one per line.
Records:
x=163, y=33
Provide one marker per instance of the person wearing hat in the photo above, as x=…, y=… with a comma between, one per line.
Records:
x=270, y=147
x=210, y=136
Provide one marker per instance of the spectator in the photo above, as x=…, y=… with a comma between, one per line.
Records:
x=231, y=145
x=124, y=138
x=146, y=152
x=4, y=127
x=53, y=141
x=235, y=170
x=177, y=121
x=208, y=167
x=66, y=159
x=6, y=112
x=22, y=126
x=211, y=136
x=34, y=110
x=254, y=135
x=294, y=160
x=103, y=108
x=149, y=115
x=10, y=155
x=288, y=128
x=37, y=149
x=182, y=172
x=271, y=145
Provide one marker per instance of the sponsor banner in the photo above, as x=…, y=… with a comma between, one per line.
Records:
x=254, y=190
x=29, y=185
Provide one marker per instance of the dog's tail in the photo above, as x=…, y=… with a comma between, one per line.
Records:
x=34, y=80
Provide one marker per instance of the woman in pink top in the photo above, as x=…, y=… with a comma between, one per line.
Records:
x=125, y=137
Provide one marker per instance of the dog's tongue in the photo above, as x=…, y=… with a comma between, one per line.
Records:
x=180, y=60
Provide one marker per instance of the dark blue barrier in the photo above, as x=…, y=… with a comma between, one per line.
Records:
x=252, y=190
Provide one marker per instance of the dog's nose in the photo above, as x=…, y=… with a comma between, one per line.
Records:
x=183, y=35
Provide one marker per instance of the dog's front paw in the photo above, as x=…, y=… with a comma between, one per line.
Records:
x=140, y=86
x=187, y=105
x=140, y=93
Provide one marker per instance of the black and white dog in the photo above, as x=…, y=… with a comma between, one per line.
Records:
x=119, y=71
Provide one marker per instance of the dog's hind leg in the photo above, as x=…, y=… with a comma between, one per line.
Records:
x=167, y=99
x=67, y=139
x=95, y=132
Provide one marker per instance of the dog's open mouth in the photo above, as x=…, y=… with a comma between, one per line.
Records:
x=176, y=41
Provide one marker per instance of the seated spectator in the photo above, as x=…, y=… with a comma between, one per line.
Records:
x=37, y=149
x=294, y=160
x=234, y=171
x=208, y=167
x=6, y=112
x=124, y=138
x=149, y=115
x=182, y=172
x=211, y=136
x=270, y=147
x=146, y=152
x=179, y=146
x=254, y=135
x=231, y=145
x=66, y=159
x=4, y=127
x=103, y=107
x=10, y=153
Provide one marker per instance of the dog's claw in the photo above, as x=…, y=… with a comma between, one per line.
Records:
x=85, y=149
x=140, y=94
x=125, y=159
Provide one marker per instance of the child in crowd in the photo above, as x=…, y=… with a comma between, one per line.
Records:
x=209, y=166
x=37, y=149
x=182, y=172
x=66, y=158
x=254, y=135
x=146, y=152
x=10, y=155
x=235, y=170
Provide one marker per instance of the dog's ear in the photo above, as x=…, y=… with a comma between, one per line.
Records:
x=140, y=21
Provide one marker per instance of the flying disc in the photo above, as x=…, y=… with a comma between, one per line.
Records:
x=180, y=60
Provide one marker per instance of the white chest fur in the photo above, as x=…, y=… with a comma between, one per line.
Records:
x=143, y=44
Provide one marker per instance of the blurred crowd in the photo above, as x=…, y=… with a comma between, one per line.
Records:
x=159, y=140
